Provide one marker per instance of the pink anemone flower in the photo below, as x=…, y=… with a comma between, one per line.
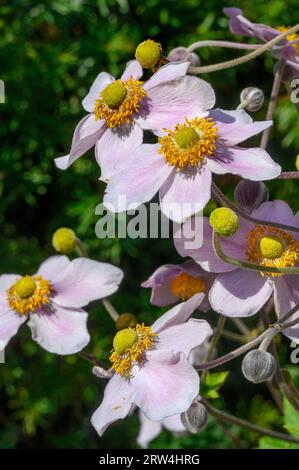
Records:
x=151, y=367
x=52, y=300
x=180, y=166
x=286, y=49
x=240, y=292
x=149, y=430
x=173, y=282
x=119, y=110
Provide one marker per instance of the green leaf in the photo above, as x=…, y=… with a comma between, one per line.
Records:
x=212, y=383
x=272, y=443
x=291, y=418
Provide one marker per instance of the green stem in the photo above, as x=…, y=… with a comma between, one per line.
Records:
x=246, y=264
x=216, y=337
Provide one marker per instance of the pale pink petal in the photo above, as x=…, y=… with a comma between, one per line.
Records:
x=167, y=73
x=53, y=268
x=178, y=314
x=168, y=104
x=275, y=211
x=139, y=181
x=240, y=293
x=230, y=116
x=174, y=424
x=6, y=281
x=165, y=385
x=87, y=132
x=190, y=242
x=133, y=70
x=116, y=404
x=102, y=80
x=60, y=330
x=184, y=337
x=251, y=163
x=185, y=194
x=85, y=280
x=284, y=295
x=116, y=147
x=148, y=430
x=10, y=322
x=233, y=134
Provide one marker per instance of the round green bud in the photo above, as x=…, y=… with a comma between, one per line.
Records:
x=114, y=94
x=124, y=340
x=126, y=320
x=271, y=247
x=224, y=221
x=64, y=240
x=186, y=137
x=25, y=287
x=148, y=53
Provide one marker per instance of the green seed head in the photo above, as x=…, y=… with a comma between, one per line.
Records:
x=148, y=53
x=224, y=221
x=64, y=240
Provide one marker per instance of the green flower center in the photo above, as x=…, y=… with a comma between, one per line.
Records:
x=186, y=137
x=272, y=247
x=25, y=287
x=124, y=340
x=114, y=94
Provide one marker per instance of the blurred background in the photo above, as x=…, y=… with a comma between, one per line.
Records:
x=50, y=53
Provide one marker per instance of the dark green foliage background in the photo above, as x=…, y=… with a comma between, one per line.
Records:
x=50, y=52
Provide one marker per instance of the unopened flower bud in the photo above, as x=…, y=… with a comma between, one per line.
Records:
x=148, y=53
x=252, y=99
x=195, y=418
x=64, y=240
x=126, y=320
x=224, y=221
x=251, y=194
x=180, y=54
x=258, y=366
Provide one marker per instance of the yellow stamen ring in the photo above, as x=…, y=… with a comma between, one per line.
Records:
x=119, y=101
x=270, y=246
x=29, y=294
x=129, y=346
x=184, y=286
x=189, y=143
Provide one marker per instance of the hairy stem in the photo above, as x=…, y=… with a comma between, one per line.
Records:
x=241, y=60
x=273, y=100
x=247, y=425
x=110, y=309
x=226, y=44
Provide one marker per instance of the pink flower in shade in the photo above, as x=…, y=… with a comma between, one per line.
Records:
x=151, y=366
x=52, y=300
x=116, y=131
x=285, y=50
x=151, y=429
x=180, y=166
x=172, y=282
x=239, y=292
